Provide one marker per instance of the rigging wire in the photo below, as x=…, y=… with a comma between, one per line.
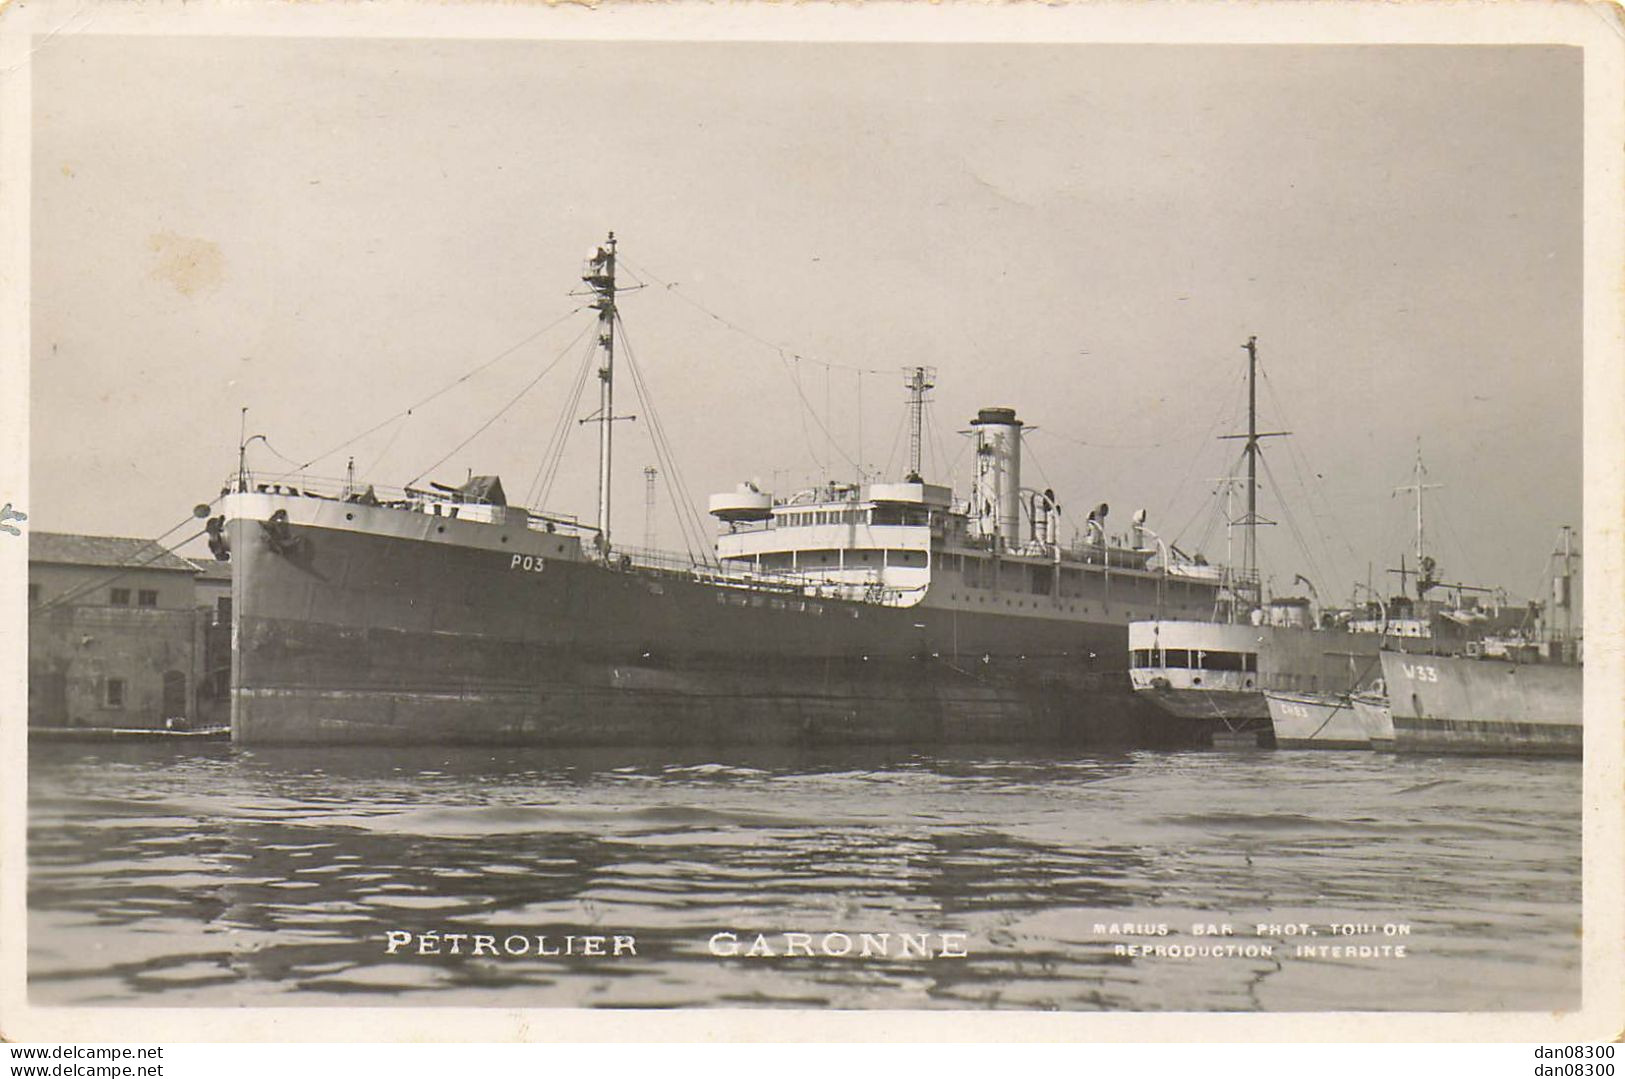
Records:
x=505, y=353
x=1123, y=445
x=860, y=426
x=1205, y=391
x=952, y=472
x=806, y=436
x=1226, y=417
x=83, y=589
x=666, y=461
x=682, y=499
x=1212, y=510
x=897, y=439
x=790, y=360
x=1292, y=523
x=278, y=453
x=673, y=288
x=157, y=541
x=373, y=468
x=1301, y=467
x=1027, y=445
x=514, y=400
x=547, y=469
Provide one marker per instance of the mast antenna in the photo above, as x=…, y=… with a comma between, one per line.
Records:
x=920, y=381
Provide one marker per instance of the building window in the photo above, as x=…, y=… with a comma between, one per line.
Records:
x=119, y=597
x=147, y=597
x=222, y=610
x=115, y=692
x=33, y=593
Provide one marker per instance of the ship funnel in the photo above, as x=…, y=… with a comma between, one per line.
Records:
x=997, y=500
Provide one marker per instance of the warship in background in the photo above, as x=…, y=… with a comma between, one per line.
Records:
x=1465, y=695
x=1440, y=615
x=848, y=612
x=1516, y=690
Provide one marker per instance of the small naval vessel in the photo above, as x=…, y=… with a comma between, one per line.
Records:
x=1514, y=692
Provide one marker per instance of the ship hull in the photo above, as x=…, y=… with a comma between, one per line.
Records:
x=1455, y=704
x=365, y=625
x=1315, y=721
x=1218, y=673
x=1208, y=705
x=1376, y=720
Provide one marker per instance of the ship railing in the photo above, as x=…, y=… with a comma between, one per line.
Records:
x=412, y=499
x=778, y=582
x=327, y=488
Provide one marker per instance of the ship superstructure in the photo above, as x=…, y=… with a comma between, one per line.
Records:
x=866, y=611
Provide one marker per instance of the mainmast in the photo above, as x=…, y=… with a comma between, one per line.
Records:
x=1252, y=520
x=600, y=277
x=1250, y=537
x=1424, y=573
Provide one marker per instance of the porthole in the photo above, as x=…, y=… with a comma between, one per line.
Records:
x=349, y=516
x=504, y=539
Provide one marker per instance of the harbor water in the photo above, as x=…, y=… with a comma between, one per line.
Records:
x=1142, y=881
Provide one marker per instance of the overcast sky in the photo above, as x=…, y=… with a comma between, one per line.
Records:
x=329, y=230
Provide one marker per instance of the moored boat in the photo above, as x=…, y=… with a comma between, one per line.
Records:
x=1316, y=721
x=1500, y=694
x=1468, y=704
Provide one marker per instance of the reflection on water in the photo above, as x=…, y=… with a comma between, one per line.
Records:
x=228, y=877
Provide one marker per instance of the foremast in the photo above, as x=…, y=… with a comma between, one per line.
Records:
x=600, y=277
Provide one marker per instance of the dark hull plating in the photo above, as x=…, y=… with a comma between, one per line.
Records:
x=357, y=637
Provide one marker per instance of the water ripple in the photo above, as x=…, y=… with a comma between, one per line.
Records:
x=224, y=877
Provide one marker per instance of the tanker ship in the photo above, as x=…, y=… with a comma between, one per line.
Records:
x=863, y=612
